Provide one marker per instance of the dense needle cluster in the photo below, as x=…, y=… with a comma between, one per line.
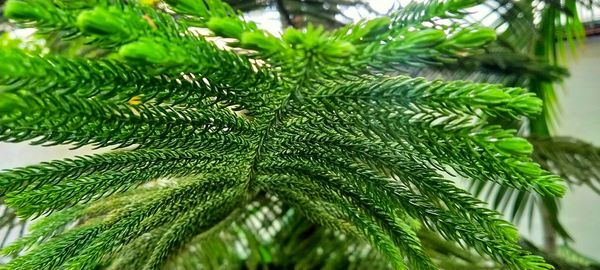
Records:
x=320, y=123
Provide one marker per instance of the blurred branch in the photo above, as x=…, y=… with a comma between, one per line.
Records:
x=284, y=13
x=575, y=160
x=560, y=263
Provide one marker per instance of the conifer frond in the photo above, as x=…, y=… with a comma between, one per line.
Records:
x=87, y=244
x=39, y=197
x=161, y=46
x=308, y=119
x=298, y=243
x=110, y=80
x=570, y=158
x=55, y=172
x=385, y=160
x=393, y=106
x=365, y=214
x=362, y=185
x=241, y=226
x=56, y=119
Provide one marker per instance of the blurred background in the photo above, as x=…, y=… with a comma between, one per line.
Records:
x=579, y=117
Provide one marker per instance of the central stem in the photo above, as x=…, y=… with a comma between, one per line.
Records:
x=278, y=113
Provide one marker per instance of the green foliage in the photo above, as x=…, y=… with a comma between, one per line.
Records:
x=574, y=160
x=316, y=121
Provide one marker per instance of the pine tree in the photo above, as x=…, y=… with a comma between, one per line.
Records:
x=220, y=141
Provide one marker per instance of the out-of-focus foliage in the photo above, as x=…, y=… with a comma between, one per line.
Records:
x=299, y=13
